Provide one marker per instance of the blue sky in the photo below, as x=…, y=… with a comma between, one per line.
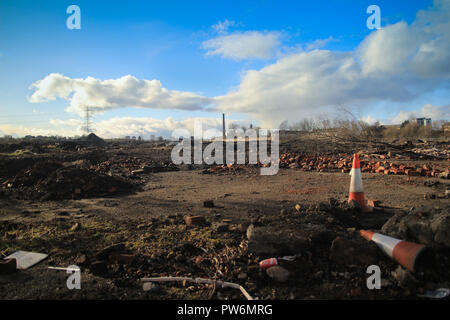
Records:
x=165, y=40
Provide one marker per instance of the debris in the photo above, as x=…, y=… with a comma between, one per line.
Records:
x=404, y=278
x=26, y=259
x=440, y=293
x=272, y=241
x=64, y=269
x=75, y=227
x=8, y=266
x=150, y=286
x=423, y=225
x=216, y=283
x=350, y=252
x=195, y=220
x=278, y=273
x=265, y=264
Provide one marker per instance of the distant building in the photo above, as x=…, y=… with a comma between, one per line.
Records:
x=423, y=121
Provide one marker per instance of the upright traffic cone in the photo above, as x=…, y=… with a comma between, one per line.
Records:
x=356, y=189
x=406, y=253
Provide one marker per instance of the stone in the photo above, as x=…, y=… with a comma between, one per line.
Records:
x=278, y=273
x=404, y=278
x=150, y=287
x=353, y=252
x=122, y=258
x=195, y=220
x=249, y=231
x=422, y=225
x=272, y=241
x=242, y=276
x=75, y=227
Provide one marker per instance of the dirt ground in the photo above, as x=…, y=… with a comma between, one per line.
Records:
x=138, y=229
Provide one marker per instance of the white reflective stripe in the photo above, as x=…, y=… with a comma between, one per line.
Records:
x=387, y=244
x=356, y=181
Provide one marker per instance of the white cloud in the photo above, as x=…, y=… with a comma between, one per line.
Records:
x=100, y=95
x=436, y=113
x=319, y=43
x=244, y=45
x=222, y=27
x=420, y=49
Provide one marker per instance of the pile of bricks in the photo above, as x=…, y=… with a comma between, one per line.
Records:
x=344, y=164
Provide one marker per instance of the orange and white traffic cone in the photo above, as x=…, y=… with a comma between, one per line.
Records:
x=356, y=192
x=404, y=252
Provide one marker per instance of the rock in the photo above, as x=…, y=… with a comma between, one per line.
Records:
x=105, y=252
x=99, y=268
x=208, y=204
x=195, y=220
x=273, y=241
x=75, y=227
x=353, y=252
x=122, y=258
x=278, y=273
x=150, y=286
x=249, y=231
x=421, y=225
x=355, y=292
x=242, y=276
x=8, y=266
x=404, y=278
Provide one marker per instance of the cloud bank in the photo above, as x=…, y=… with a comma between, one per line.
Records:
x=101, y=95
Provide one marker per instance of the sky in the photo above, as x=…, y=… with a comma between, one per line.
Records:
x=151, y=67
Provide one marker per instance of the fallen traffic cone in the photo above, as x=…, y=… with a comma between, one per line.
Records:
x=408, y=254
x=356, y=189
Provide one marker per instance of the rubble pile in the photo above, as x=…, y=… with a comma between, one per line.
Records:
x=344, y=164
x=52, y=181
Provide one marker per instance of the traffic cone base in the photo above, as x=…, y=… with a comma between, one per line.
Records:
x=356, y=191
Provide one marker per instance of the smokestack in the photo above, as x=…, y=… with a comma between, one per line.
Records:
x=223, y=126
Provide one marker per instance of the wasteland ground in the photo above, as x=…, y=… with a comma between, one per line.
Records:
x=117, y=210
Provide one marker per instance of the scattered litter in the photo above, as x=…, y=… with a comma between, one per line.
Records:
x=64, y=269
x=440, y=293
x=26, y=259
x=216, y=283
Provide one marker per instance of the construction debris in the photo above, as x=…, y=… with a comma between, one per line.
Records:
x=25, y=259
x=216, y=283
